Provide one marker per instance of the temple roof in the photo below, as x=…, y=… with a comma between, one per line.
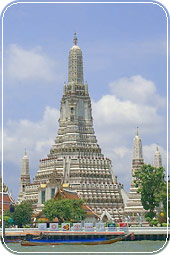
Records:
x=7, y=201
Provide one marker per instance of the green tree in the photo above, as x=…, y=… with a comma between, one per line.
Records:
x=6, y=213
x=23, y=213
x=6, y=219
x=164, y=199
x=150, y=182
x=77, y=210
x=64, y=209
x=50, y=210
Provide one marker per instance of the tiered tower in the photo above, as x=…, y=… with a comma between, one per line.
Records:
x=25, y=176
x=157, y=158
x=75, y=155
x=134, y=207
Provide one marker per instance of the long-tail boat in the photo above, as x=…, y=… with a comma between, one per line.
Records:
x=74, y=238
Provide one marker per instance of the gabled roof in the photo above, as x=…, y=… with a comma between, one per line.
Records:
x=7, y=200
x=67, y=194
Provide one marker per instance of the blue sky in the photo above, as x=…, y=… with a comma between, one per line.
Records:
x=124, y=53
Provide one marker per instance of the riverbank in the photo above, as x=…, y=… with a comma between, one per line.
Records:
x=140, y=233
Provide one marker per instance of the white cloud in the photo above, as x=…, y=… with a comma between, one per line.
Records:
x=121, y=151
x=124, y=115
x=129, y=107
x=36, y=137
x=138, y=90
x=23, y=64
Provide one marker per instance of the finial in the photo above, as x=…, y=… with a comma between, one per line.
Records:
x=75, y=39
x=25, y=152
x=137, y=132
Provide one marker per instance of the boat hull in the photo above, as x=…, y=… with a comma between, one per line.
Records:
x=72, y=242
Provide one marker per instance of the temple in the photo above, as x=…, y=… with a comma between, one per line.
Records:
x=75, y=161
x=76, y=164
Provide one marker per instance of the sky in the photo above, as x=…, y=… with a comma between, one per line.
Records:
x=124, y=58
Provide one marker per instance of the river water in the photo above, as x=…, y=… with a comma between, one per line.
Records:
x=119, y=247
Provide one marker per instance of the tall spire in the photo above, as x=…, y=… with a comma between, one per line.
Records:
x=134, y=205
x=137, y=146
x=157, y=158
x=25, y=164
x=75, y=66
x=25, y=176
